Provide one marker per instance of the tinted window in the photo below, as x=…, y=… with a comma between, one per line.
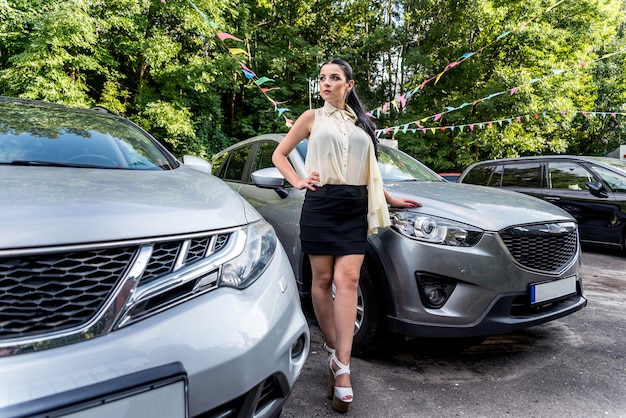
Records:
x=218, y=164
x=264, y=156
x=616, y=181
x=479, y=175
x=522, y=175
x=568, y=175
x=236, y=164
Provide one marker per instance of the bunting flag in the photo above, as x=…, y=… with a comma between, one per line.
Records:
x=490, y=124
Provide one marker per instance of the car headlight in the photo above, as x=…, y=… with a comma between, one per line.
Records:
x=257, y=253
x=434, y=229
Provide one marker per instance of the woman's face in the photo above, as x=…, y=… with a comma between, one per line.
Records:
x=333, y=84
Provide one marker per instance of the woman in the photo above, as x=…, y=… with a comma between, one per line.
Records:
x=344, y=201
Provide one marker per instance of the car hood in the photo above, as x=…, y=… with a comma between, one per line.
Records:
x=42, y=206
x=484, y=207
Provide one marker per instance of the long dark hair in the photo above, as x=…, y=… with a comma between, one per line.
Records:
x=353, y=100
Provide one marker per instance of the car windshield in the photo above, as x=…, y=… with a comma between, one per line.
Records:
x=613, y=162
x=42, y=135
x=395, y=165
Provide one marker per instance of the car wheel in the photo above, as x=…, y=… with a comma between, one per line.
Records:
x=369, y=326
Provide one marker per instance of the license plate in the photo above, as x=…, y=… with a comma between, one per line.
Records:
x=543, y=292
x=168, y=401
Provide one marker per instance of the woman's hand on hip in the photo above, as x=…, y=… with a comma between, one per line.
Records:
x=310, y=182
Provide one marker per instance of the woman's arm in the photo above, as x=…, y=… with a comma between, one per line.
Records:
x=300, y=130
x=400, y=202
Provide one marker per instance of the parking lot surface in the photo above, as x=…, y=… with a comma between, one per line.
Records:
x=571, y=367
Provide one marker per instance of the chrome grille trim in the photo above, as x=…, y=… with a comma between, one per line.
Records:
x=545, y=247
x=127, y=293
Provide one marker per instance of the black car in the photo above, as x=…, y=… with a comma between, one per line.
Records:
x=591, y=189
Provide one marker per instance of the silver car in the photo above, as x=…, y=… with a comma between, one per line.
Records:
x=473, y=261
x=132, y=284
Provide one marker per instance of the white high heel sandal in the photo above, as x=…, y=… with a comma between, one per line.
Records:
x=342, y=396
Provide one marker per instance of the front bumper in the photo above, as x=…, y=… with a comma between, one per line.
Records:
x=491, y=290
x=230, y=346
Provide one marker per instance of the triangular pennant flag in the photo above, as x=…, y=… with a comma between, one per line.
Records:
x=236, y=51
x=466, y=55
x=402, y=101
x=282, y=110
x=263, y=80
x=223, y=35
x=265, y=89
x=502, y=35
x=248, y=72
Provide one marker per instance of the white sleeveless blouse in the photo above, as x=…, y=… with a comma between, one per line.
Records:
x=343, y=153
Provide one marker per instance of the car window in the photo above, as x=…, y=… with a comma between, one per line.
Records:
x=236, y=164
x=263, y=158
x=479, y=175
x=568, y=175
x=616, y=181
x=218, y=166
x=522, y=175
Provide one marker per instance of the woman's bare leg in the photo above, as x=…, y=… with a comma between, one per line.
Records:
x=346, y=276
x=322, y=267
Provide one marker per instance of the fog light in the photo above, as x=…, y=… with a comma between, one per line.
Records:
x=297, y=348
x=434, y=290
x=435, y=296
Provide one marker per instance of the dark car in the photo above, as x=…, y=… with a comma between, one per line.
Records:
x=473, y=261
x=591, y=189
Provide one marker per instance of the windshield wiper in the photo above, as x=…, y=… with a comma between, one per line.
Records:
x=52, y=164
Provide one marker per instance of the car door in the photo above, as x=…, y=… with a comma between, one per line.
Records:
x=596, y=213
x=282, y=212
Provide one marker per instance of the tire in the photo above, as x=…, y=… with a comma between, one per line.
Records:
x=370, y=328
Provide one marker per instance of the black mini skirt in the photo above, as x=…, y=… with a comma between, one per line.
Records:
x=334, y=220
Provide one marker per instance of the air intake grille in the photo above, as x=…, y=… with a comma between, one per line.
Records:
x=53, y=292
x=544, y=247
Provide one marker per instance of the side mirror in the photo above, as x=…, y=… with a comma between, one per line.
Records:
x=596, y=188
x=197, y=164
x=270, y=178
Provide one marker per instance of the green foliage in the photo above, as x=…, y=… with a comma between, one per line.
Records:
x=161, y=65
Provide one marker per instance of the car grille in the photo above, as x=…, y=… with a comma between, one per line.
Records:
x=543, y=247
x=42, y=294
x=264, y=398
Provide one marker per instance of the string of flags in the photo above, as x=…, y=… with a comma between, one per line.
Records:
x=487, y=124
x=556, y=72
x=247, y=72
x=400, y=101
